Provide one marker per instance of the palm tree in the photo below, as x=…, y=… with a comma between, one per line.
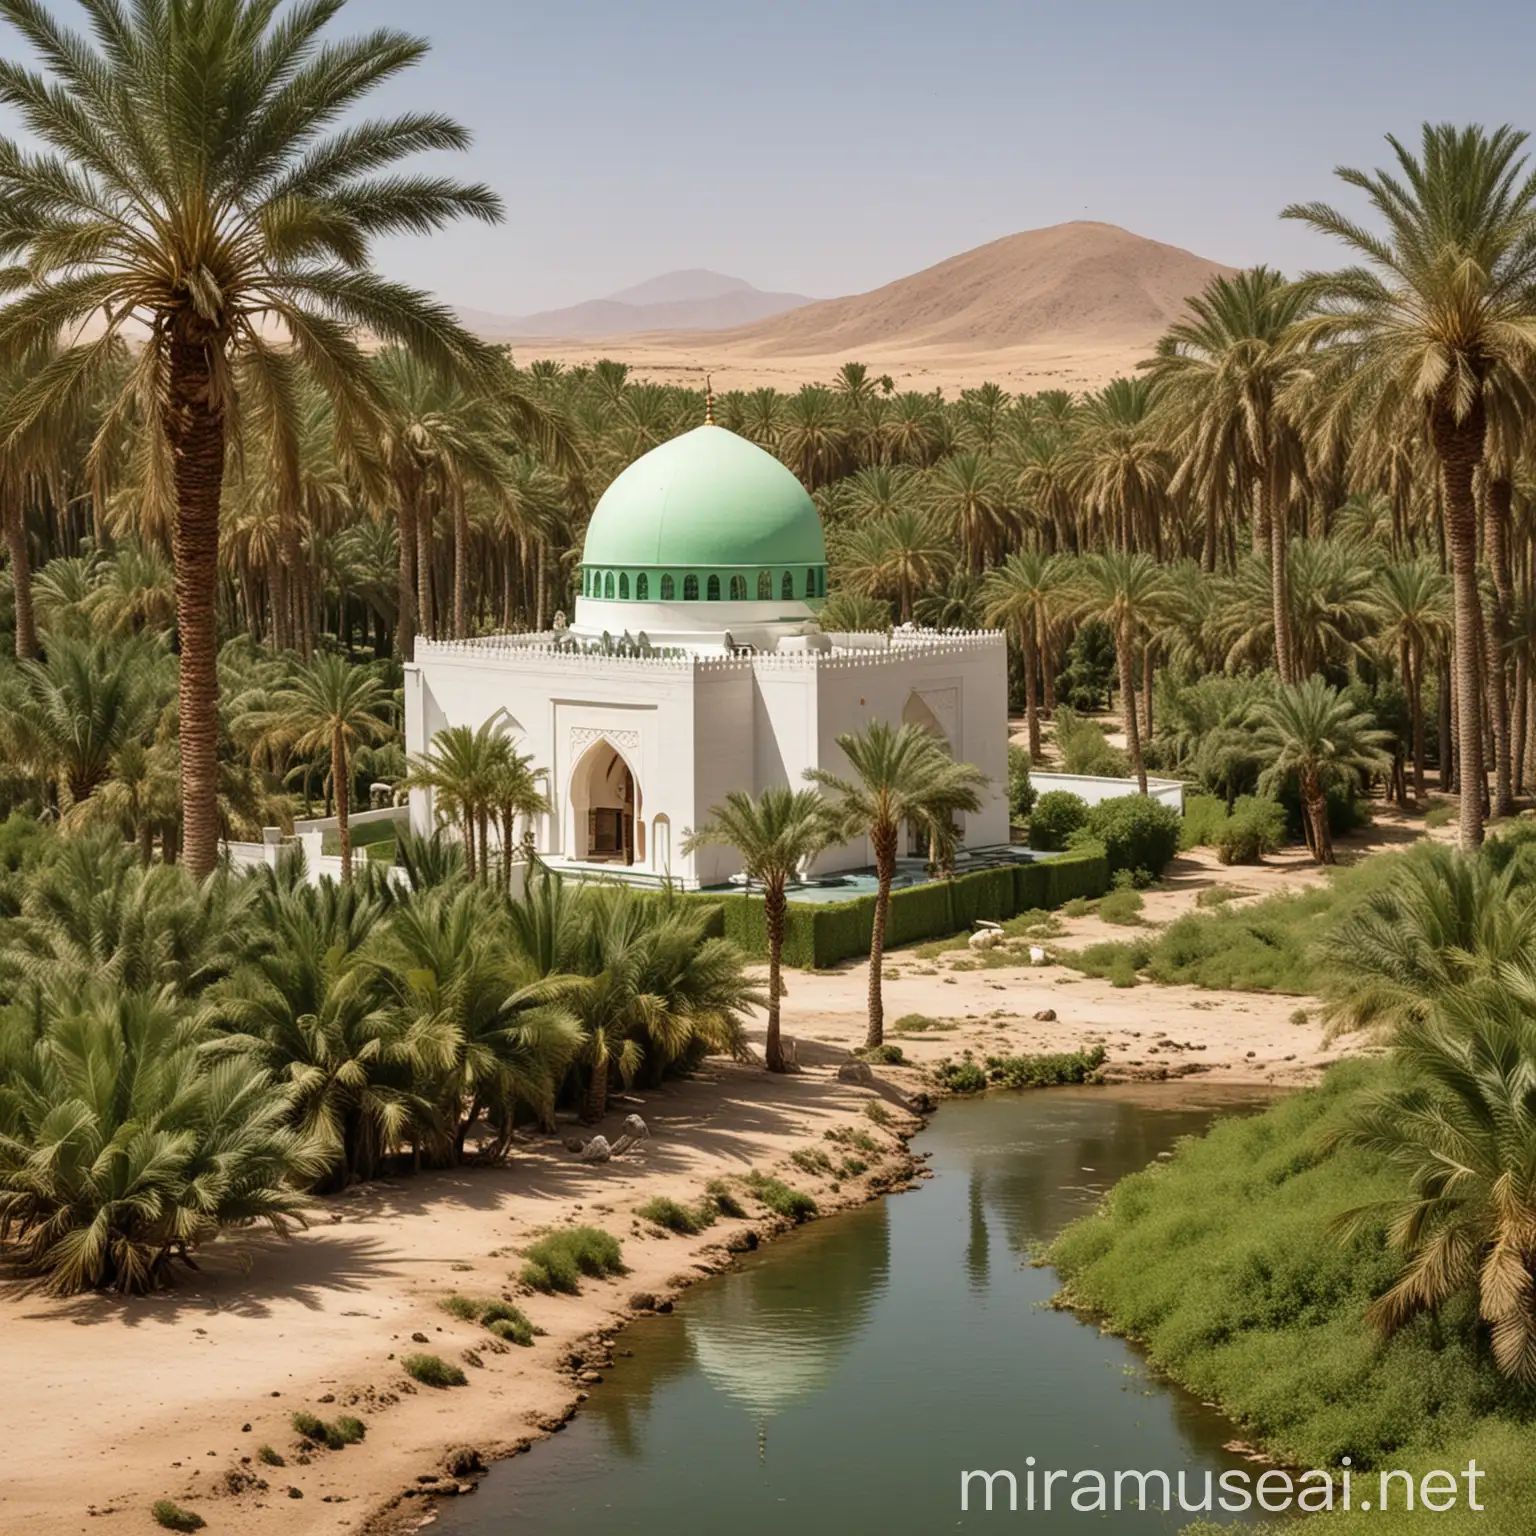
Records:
x=123, y=1147
x=1219, y=379
x=968, y=497
x=1029, y=593
x=1121, y=465
x=331, y=706
x=903, y=552
x=1128, y=593
x=1413, y=617
x=1436, y=321
x=1316, y=733
x=466, y=768
x=901, y=775
x=776, y=835
x=185, y=185
x=1464, y=1135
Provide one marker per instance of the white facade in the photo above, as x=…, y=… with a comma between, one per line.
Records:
x=1092, y=789
x=635, y=750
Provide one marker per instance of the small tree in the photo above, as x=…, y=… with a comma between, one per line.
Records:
x=1316, y=733
x=775, y=835
x=901, y=774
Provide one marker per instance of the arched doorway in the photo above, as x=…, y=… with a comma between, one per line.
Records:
x=606, y=808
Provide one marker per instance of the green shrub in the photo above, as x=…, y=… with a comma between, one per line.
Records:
x=513, y=1332
x=852, y=1136
x=268, y=1457
x=780, y=1198
x=1114, y=961
x=1020, y=795
x=1045, y=1071
x=884, y=1055
x=1084, y=747
x=349, y=1428
x=878, y=1113
x=310, y=1425
x=1217, y=895
x=1255, y=827
x=1122, y=907
x=672, y=1215
x=965, y=1076
x=726, y=1203
x=1204, y=817
x=433, y=1371
x=461, y=1307
x=1137, y=832
x=1440, y=816
x=557, y=1262
x=811, y=1160
x=1058, y=813
x=174, y=1518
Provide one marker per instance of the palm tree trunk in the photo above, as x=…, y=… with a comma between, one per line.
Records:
x=405, y=580
x=1147, y=677
x=595, y=1106
x=194, y=429
x=425, y=614
x=1273, y=511
x=1445, y=726
x=884, y=840
x=1413, y=667
x=460, y=565
x=1460, y=446
x=1496, y=530
x=1128, y=706
x=1518, y=726
x=539, y=587
x=1031, y=708
x=1317, y=814
x=773, y=915
x=339, y=782
x=21, y=585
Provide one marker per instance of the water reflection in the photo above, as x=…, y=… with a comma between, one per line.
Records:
x=842, y=1379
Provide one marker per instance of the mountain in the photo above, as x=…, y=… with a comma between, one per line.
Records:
x=1088, y=283
x=694, y=300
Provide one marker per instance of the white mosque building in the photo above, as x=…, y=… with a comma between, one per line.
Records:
x=695, y=665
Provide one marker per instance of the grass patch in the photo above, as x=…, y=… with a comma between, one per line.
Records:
x=1122, y=907
x=677, y=1217
x=1115, y=961
x=1219, y=895
x=920, y=1024
x=1050, y=1070
x=268, y=1457
x=508, y=1322
x=1440, y=816
x=883, y=1055
x=557, y=1262
x=965, y=1076
x=433, y=1371
x=1225, y=1264
x=725, y=1202
x=780, y=1198
x=852, y=1136
x=310, y=1425
x=811, y=1160
x=174, y=1518
x=461, y=1307
x=878, y=1113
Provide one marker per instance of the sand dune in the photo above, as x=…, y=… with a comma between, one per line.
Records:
x=1069, y=307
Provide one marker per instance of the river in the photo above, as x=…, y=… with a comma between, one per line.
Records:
x=841, y=1380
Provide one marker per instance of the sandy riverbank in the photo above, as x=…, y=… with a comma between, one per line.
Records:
x=125, y=1402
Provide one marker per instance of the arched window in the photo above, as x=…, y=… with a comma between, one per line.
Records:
x=738, y=589
x=642, y=588
x=608, y=585
x=765, y=586
x=690, y=589
x=624, y=584
x=668, y=589
x=712, y=591
x=787, y=587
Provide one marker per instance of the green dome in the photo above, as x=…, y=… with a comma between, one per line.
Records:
x=706, y=499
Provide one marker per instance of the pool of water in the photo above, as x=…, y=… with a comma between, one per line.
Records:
x=840, y=1381
x=862, y=882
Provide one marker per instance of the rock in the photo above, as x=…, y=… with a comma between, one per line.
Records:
x=463, y=1461
x=597, y=1150
x=642, y=1301
x=1046, y=1016
x=295, y=1493
x=419, y=1338
x=743, y=1242
x=663, y=1306
x=574, y=1144
x=590, y=1378
x=245, y=1429
x=856, y=1072
x=330, y=1397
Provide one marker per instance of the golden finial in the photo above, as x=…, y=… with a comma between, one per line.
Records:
x=709, y=401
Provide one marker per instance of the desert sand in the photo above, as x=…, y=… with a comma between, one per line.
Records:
x=129, y=1401
x=1069, y=307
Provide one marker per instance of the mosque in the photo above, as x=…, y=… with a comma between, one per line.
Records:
x=695, y=665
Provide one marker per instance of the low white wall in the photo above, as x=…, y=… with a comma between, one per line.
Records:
x=1093, y=789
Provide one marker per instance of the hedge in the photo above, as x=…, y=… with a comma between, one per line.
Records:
x=819, y=934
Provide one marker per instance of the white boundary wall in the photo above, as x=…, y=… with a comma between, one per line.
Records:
x=1093, y=789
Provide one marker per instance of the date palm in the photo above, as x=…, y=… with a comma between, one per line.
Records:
x=188, y=180
x=900, y=776
x=777, y=835
x=1129, y=593
x=1411, y=613
x=1433, y=325
x=334, y=707
x=1219, y=378
x=903, y=553
x=1315, y=732
x=1029, y=593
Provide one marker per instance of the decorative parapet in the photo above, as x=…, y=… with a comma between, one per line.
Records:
x=903, y=645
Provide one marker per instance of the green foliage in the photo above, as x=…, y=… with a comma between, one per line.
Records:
x=557, y=1262
x=1255, y=827
x=811, y=1160
x=1045, y=1071
x=1137, y=833
x=433, y=1371
x=349, y=1429
x=884, y=1055
x=1114, y=962
x=309, y=1425
x=174, y=1518
x=1122, y=907
x=676, y=1217
x=1229, y=1266
x=1089, y=674
x=268, y=1457
x=878, y=1113
x=515, y=1330
x=725, y=1202
x=1021, y=796
x=1058, y=813
x=793, y=1204
x=1204, y=818
x=965, y=1076
x=461, y=1307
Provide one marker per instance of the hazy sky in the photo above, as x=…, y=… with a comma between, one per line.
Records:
x=828, y=146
